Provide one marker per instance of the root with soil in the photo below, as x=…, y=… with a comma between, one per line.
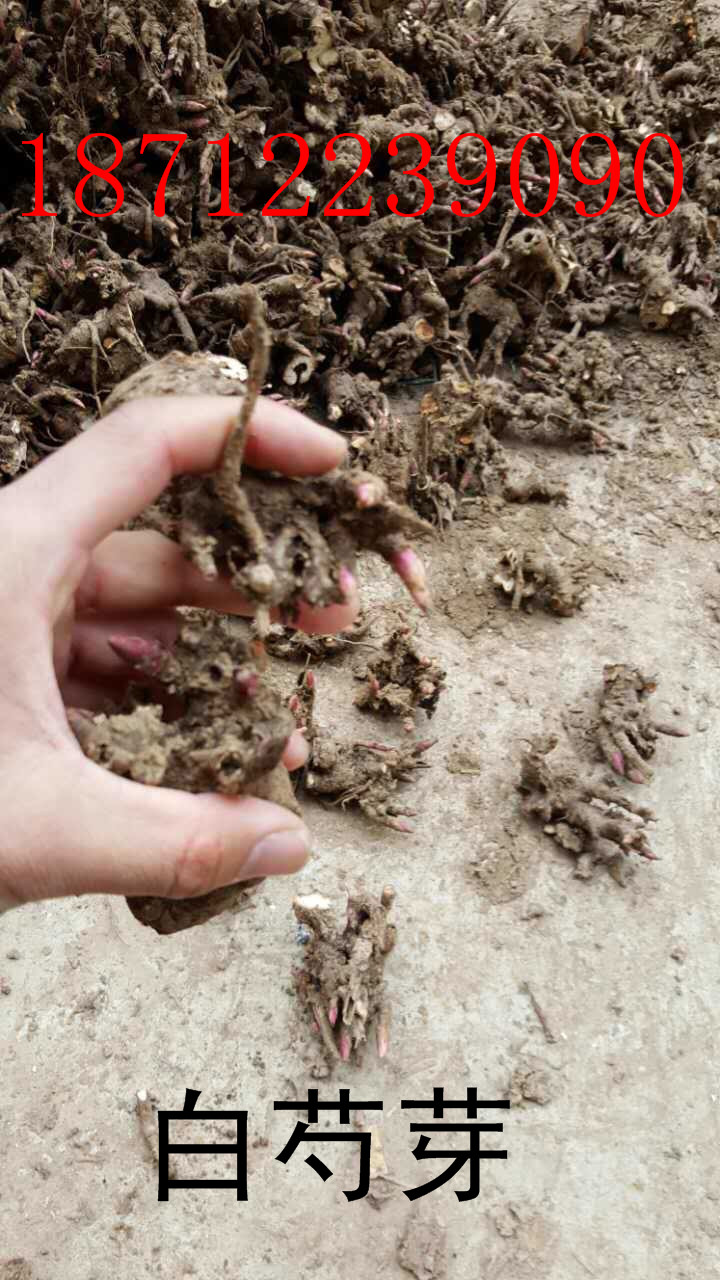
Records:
x=341, y=978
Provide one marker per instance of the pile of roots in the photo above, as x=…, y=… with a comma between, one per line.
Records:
x=497, y=311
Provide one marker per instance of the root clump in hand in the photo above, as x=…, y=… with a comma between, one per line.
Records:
x=341, y=978
x=280, y=541
x=213, y=725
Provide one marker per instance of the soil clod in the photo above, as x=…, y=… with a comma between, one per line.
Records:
x=400, y=678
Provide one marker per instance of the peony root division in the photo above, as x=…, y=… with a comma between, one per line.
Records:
x=400, y=678
x=341, y=979
x=528, y=579
x=366, y=774
x=626, y=733
x=279, y=541
x=586, y=816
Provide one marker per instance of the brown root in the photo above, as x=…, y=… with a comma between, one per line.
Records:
x=366, y=774
x=528, y=578
x=341, y=979
x=279, y=541
x=586, y=816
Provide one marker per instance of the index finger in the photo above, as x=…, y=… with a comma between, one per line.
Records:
x=118, y=466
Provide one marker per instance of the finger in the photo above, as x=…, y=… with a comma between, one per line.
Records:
x=282, y=439
x=122, y=837
x=328, y=621
x=92, y=695
x=297, y=751
x=111, y=472
x=146, y=571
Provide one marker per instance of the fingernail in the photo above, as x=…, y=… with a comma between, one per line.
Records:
x=348, y=582
x=279, y=853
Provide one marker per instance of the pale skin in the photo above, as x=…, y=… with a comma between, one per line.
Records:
x=70, y=580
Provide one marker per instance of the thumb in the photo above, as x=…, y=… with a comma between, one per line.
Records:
x=100, y=833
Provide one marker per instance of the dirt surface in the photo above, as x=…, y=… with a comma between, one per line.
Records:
x=561, y=409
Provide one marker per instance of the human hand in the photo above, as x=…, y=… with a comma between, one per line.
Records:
x=70, y=581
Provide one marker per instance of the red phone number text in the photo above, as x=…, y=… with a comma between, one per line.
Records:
x=488, y=175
